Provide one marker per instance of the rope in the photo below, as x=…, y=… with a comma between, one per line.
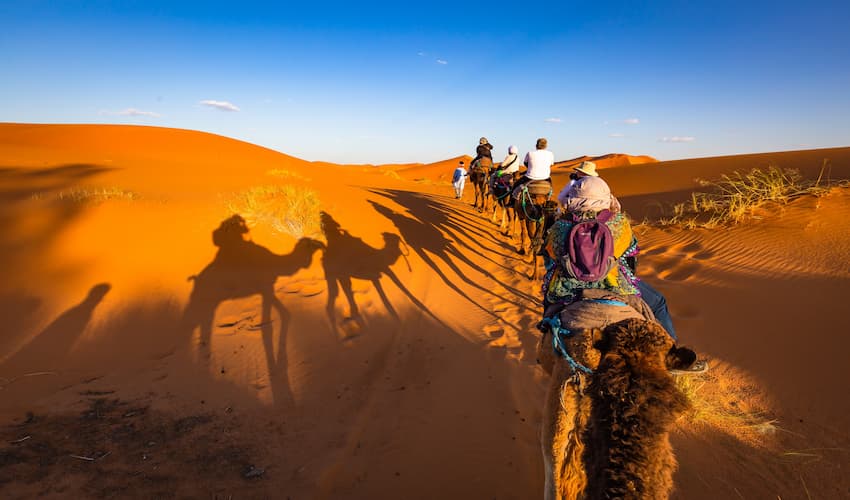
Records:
x=558, y=332
x=524, y=195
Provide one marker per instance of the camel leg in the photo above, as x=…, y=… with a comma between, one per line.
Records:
x=333, y=293
x=384, y=298
x=276, y=359
x=522, y=235
x=347, y=289
x=205, y=322
x=267, y=329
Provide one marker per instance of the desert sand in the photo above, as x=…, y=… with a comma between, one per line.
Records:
x=150, y=346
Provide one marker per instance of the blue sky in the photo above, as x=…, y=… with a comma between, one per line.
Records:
x=404, y=82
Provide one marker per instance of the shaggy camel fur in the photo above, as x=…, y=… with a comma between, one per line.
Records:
x=605, y=435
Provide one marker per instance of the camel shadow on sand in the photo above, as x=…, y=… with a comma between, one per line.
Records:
x=348, y=257
x=242, y=268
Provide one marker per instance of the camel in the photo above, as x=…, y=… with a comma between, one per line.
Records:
x=501, y=198
x=605, y=432
x=534, y=211
x=478, y=173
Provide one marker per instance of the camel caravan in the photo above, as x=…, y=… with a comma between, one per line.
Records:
x=607, y=338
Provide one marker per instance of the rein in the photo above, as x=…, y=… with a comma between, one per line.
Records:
x=526, y=197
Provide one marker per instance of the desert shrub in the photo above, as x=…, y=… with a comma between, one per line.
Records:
x=727, y=400
x=734, y=198
x=287, y=209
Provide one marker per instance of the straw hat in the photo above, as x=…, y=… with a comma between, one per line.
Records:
x=587, y=168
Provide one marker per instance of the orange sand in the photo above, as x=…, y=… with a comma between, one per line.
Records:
x=432, y=391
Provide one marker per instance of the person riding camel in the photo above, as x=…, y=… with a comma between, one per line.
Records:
x=538, y=165
x=510, y=164
x=585, y=169
x=504, y=176
x=589, y=198
x=483, y=156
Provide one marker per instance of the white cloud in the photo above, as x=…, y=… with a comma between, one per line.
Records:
x=421, y=54
x=442, y=61
x=222, y=105
x=552, y=120
x=677, y=138
x=131, y=112
x=138, y=112
x=616, y=134
x=631, y=121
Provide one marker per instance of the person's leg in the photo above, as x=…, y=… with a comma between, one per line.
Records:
x=658, y=304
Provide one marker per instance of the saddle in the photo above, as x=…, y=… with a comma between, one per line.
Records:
x=542, y=189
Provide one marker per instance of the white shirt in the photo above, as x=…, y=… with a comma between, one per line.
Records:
x=510, y=164
x=539, y=164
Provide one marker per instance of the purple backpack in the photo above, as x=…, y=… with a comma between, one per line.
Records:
x=590, y=249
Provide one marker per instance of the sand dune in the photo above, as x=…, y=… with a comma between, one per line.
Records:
x=605, y=161
x=389, y=351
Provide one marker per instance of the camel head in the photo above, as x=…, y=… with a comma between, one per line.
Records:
x=636, y=338
x=305, y=248
x=635, y=403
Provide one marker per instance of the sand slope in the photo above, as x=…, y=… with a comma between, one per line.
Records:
x=417, y=379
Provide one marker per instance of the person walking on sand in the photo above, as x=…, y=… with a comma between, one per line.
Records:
x=459, y=179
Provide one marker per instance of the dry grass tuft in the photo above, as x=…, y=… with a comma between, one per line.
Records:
x=727, y=400
x=291, y=210
x=283, y=173
x=734, y=198
x=93, y=195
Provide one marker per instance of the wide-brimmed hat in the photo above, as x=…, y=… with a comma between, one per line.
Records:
x=483, y=140
x=587, y=168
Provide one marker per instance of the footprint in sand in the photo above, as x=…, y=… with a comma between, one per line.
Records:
x=680, y=272
x=695, y=250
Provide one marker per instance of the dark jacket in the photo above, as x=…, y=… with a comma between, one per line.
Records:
x=483, y=151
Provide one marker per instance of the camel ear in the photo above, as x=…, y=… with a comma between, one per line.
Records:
x=599, y=339
x=679, y=358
